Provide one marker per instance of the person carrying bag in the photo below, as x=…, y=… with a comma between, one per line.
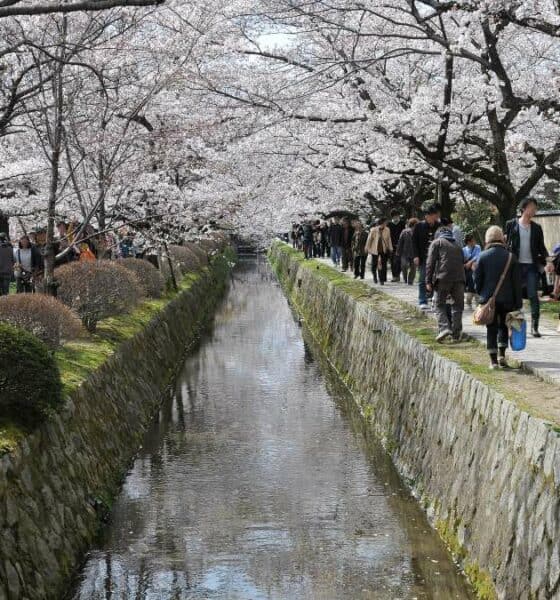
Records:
x=497, y=280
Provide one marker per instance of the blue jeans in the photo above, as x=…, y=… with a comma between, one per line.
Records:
x=530, y=281
x=336, y=253
x=422, y=291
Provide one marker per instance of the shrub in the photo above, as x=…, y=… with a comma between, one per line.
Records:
x=96, y=290
x=184, y=259
x=209, y=245
x=151, y=278
x=29, y=377
x=199, y=252
x=43, y=316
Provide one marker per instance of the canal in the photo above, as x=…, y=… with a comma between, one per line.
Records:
x=257, y=481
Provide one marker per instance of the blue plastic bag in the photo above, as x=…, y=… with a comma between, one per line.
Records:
x=518, y=338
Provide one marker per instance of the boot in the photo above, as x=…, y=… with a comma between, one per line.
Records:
x=535, y=328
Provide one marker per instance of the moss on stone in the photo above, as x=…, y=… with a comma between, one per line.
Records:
x=481, y=581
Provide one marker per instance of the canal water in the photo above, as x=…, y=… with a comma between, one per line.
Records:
x=256, y=481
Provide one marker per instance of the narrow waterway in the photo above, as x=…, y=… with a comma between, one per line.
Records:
x=257, y=482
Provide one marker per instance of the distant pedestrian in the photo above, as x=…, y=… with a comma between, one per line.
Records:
x=27, y=264
x=492, y=266
x=6, y=264
x=380, y=247
x=396, y=226
x=308, y=240
x=445, y=275
x=405, y=252
x=422, y=236
x=336, y=241
x=471, y=254
x=325, y=245
x=525, y=239
x=347, y=235
x=359, y=250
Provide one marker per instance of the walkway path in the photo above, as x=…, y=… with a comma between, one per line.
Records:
x=541, y=357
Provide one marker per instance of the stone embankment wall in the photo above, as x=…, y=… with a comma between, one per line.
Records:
x=57, y=484
x=487, y=473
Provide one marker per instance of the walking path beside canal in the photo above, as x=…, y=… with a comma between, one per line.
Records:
x=541, y=357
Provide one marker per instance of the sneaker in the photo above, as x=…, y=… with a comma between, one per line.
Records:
x=423, y=306
x=502, y=363
x=442, y=335
x=459, y=337
x=535, y=333
x=494, y=366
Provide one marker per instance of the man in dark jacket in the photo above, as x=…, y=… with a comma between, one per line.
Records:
x=445, y=274
x=336, y=241
x=6, y=264
x=525, y=239
x=396, y=226
x=422, y=236
x=347, y=236
x=308, y=239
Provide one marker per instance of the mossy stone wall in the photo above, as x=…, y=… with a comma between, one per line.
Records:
x=58, y=482
x=487, y=473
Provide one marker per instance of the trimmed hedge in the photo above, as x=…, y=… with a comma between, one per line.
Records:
x=29, y=378
x=96, y=290
x=147, y=274
x=43, y=316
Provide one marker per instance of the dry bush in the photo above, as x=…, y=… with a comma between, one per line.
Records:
x=184, y=259
x=43, y=316
x=96, y=290
x=199, y=252
x=151, y=278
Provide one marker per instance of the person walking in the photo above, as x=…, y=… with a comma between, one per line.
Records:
x=396, y=226
x=6, y=264
x=336, y=241
x=325, y=246
x=422, y=236
x=471, y=254
x=347, y=235
x=359, y=250
x=525, y=239
x=405, y=252
x=307, y=240
x=379, y=245
x=497, y=265
x=445, y=275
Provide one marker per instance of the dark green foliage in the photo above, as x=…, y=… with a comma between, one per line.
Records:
x=30, y=386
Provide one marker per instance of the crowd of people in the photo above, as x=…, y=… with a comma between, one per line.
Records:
x=450, y=269
x=21, y=261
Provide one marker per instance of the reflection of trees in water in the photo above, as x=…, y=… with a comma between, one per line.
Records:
x=250, y=460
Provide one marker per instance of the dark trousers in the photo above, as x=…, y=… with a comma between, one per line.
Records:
x=408, y=269
x=396, y=266
x=530, y=280
x=5, y=284
x=360, y=266
x=346, y=258
x=308, y=248
x=24, y=286
x=497, y=334
x=379, y=267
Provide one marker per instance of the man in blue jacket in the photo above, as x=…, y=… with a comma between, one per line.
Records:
x=525, y=239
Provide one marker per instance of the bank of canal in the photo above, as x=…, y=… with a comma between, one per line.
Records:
x=256, y=482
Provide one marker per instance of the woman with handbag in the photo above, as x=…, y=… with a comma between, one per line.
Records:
x=497, y=280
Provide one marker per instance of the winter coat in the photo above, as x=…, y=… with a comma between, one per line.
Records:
x=422, y=236
x=359, y=243
x=372, y=243
x=490, y=267
x=6, y=259
x=538, y=248
x=405, y=247
x=396, y=229
x=445, y=260
x=347, y=235
x=336, y=234
x=307, y=233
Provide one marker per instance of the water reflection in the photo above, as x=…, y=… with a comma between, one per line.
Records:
x=256, y=482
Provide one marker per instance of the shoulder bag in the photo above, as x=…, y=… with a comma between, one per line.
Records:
x=484, y=314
